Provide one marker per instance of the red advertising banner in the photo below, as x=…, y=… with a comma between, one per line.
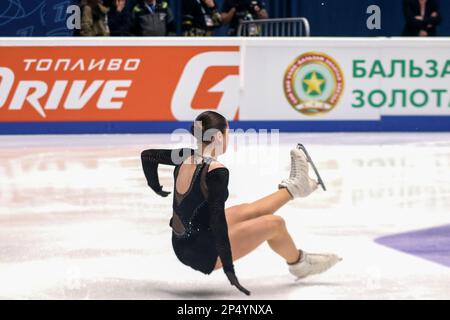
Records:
x=116, y=83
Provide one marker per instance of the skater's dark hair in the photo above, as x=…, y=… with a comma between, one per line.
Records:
x=208, y=122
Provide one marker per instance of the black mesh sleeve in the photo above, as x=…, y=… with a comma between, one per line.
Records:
x=152, y=158
x=217, y=183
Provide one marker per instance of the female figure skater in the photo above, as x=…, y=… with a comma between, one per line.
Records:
x=206, y=236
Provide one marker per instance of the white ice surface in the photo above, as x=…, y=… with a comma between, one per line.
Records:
x=77, y=220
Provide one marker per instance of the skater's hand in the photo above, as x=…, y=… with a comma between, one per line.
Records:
x=163, y=193
x=235, y=282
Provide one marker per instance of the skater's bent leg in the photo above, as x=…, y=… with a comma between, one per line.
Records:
x=248, y=235
x=265, y=206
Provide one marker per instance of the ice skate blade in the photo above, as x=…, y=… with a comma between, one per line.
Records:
x=319, y=178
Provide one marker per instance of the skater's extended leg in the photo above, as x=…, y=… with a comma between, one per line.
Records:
x=265, y=206
x=251, y=224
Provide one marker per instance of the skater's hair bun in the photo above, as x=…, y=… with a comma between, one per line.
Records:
x=208, y=122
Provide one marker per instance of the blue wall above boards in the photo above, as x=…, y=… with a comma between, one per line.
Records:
x=327, y=17
x=385, y=124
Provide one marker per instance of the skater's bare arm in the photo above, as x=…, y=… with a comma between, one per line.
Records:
x=154, y=157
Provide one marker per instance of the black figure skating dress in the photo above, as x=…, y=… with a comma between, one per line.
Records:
x=200, y=231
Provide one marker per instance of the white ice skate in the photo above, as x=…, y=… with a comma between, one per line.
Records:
x=311, y=264
x=299, y=184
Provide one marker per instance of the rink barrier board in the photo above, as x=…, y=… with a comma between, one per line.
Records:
x=387, y=124
x=247, y=108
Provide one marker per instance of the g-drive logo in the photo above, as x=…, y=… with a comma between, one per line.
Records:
x=57, y=84
x=192, y=76
x=77, y=93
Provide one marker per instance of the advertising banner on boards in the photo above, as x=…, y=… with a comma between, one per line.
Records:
x=345, y=84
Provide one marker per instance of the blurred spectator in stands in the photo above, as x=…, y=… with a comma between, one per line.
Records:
x=233, y=11
x=422, y=17
x=153, y=18
x=119, y=19
x=94, y=18
x=200, y=18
